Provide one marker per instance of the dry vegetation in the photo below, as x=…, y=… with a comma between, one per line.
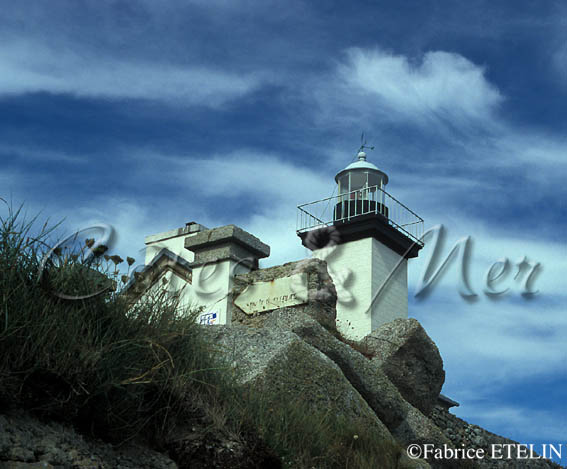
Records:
x=121, y=373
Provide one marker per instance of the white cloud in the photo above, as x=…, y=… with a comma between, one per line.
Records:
x=130, y=220
x=453, y=102
x=30, y=67
x=490, y=344
x=491, y=244
x=268, y=177
x=490, y=348
x=544, y=156
x=441, y=85
x=277, y=229
x=271, y=186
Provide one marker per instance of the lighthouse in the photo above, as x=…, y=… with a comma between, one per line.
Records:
x=366, y=236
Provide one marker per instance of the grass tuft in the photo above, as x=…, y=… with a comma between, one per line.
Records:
x=119, y=371
x=91, y=359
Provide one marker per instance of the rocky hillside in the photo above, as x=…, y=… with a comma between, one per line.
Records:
x=389, y=384
x=27, y=443
x=392, y=378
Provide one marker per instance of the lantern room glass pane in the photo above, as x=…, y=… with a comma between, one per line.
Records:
x=374, y=179
x=343, y=184
x=358, y=180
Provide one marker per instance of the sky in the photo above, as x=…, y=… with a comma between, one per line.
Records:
x=146, y=115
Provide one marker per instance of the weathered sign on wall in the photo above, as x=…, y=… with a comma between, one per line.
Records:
x=279, y=293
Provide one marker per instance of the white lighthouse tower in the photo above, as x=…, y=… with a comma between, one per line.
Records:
x=366, y=237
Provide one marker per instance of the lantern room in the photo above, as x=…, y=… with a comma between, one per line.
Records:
x=361, y=190
x=372, y=236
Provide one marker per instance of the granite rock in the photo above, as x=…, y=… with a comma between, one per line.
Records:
x=406, y=354
x=321, y=293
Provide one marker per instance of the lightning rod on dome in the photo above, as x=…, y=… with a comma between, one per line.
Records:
x=363, y=146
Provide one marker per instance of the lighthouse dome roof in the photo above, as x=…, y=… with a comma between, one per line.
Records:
x=362, y=164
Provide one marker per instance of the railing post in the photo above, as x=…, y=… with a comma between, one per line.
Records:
x=375, y=200
x=397, y=214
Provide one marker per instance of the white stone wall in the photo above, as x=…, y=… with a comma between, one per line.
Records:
x=358, y=269
x=172, y=240
x=212, y=287
x=350, y=267
x=392, y=300
x=174, y=285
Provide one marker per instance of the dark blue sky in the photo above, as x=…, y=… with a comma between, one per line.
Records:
x=145, y=115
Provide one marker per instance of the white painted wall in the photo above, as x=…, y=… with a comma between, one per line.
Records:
x=174, y=285
x=392, y=301
x=358, y=269
x=210, y=290
x=211, y=283
x=350, y=267
x=212, y=287
x=172, y=240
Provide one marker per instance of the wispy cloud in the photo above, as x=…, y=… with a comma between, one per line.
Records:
x=437, y=86
x=490, y=348
x=30, y=153
x=267, y=178
x=29, y=67
x=268, y=185
x=493, y=342
x=489, y=248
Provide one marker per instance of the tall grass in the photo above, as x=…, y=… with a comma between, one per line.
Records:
x=307, y=438
x=119, y=371
x=97, y=361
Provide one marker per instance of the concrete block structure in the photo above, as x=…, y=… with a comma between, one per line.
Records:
x=196, y=265
x=167, y=265
x=173, y=241
x=220, y=254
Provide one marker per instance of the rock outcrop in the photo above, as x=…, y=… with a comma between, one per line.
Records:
x=390, y=382
x=392, y=378
x=321, y=293
x=277, y=364
x=27, y=443
x=405, y=353
x=382, y=396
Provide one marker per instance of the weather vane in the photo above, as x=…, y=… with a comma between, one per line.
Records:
x=363, y=145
